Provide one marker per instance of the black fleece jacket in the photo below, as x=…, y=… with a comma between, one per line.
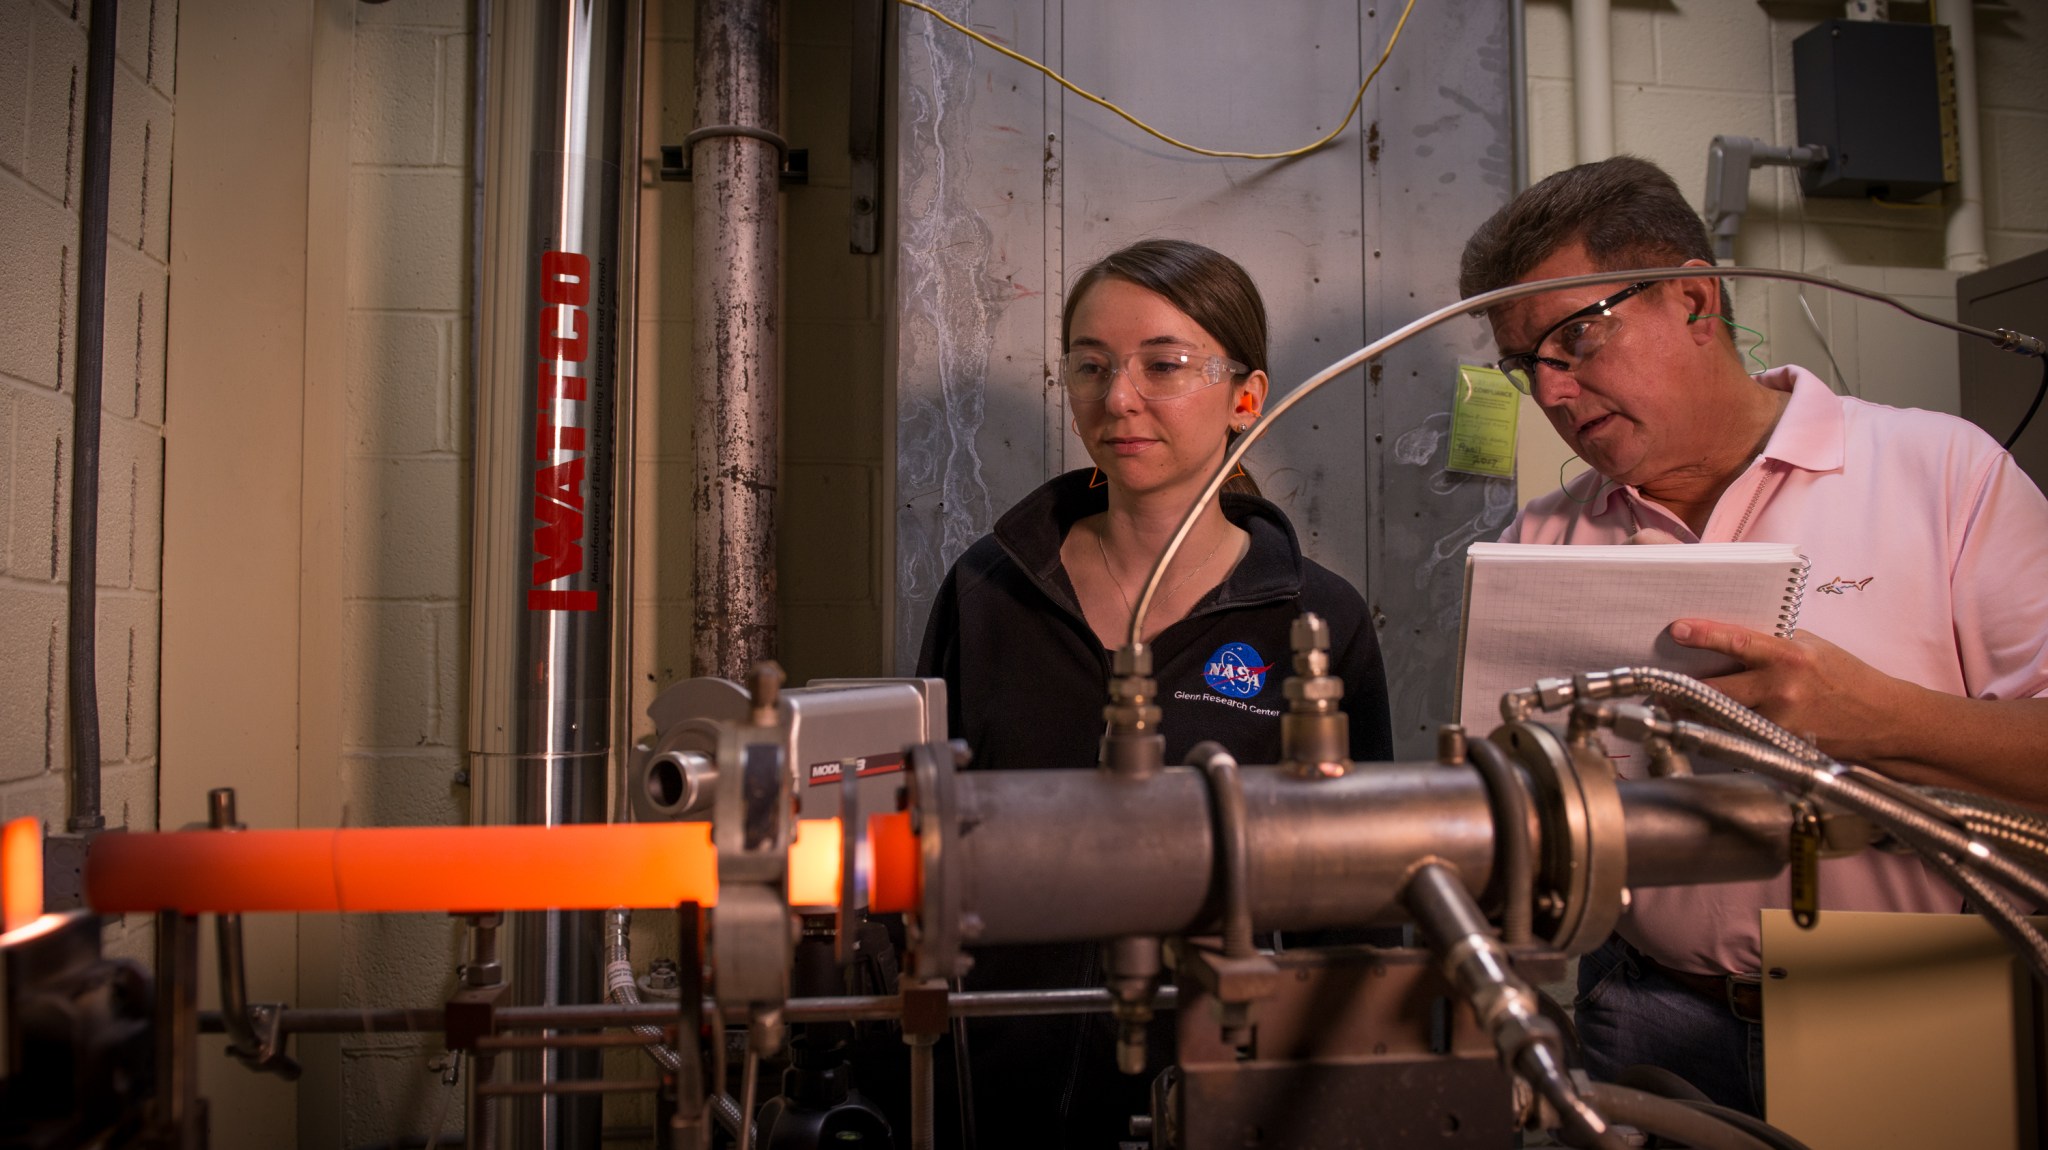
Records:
x=1026, y=680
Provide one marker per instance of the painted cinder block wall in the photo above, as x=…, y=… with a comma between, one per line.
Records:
x=42, y=129
x=1689, y=71
x=404, y=524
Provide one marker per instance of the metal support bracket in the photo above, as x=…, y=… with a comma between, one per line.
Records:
x=864, y=125
x=1729, y=160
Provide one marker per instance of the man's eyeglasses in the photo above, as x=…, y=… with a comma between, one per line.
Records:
x=1156, y=372
x=1573, y=340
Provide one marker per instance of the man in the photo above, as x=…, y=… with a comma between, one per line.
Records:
x=1923, y=648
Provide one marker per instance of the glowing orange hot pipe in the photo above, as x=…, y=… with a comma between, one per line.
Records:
x=435, y=868
x=21, y=872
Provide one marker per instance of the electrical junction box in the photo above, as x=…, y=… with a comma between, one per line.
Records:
x=1880, y=97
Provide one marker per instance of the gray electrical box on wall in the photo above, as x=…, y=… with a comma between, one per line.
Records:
x=1998, y=386
x=1880, y=97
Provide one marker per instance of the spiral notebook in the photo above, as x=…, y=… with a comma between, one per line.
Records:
x=1537, y=611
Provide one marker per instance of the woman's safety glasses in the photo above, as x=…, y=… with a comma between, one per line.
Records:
x=1156, y=372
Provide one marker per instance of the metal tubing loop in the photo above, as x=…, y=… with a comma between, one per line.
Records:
x=1474, y=305
x=1510, y=803
x=1226, y=797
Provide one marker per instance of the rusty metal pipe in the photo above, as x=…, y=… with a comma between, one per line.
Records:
x=736, y=349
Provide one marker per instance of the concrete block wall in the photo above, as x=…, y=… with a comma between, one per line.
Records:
x=42, y=127
x=830, y=563
x=405, y=526
x=1686, y=72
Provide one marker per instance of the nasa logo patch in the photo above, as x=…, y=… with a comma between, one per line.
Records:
x=1235, y=670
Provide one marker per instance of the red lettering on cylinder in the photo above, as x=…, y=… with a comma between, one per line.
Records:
x=558, y=496
x=564, y=278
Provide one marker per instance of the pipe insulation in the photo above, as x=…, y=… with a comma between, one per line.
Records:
x=736, y=352
x=1593, y=78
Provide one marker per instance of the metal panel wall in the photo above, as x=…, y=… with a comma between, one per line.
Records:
x=1011, y=186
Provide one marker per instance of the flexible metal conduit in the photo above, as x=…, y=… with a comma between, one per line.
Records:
x=1670, y=686
x=621, y=989
x=1829, y=781
x=619, y=986
x=82, y=674
x=1667, y=1118
x=1964, y=859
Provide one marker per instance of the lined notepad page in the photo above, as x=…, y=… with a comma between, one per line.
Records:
x=1536, y=611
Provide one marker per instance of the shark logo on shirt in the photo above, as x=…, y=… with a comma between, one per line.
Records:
x=1841, y=586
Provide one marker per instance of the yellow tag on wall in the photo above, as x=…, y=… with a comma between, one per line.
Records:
x=1484, y=411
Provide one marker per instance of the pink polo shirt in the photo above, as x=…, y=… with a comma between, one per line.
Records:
x=1929, y=552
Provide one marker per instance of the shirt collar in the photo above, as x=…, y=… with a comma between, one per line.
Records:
x=1809, y=434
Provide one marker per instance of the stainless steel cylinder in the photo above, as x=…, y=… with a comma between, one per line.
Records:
x=1733, y=828
x=1051, y=856
x=550, y=276
x=736, y=348
x=1070, y=855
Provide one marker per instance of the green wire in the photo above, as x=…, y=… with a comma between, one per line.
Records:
x=1751, y=351
x=1565, y=485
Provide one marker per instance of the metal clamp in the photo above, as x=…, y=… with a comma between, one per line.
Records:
x=1585, y=842
x=934, y=934
x=792, y=165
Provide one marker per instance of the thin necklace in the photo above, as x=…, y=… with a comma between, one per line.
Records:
x=1111, y=572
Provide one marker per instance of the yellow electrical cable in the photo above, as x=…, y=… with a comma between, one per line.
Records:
x=1063, y=82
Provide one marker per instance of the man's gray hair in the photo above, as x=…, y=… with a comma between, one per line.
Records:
x=1626, y=212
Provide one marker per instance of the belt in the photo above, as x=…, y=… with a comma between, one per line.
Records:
x=1742, y=994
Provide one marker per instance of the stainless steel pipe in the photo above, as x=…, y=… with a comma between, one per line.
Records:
x=1071, y=855
x=551, y=272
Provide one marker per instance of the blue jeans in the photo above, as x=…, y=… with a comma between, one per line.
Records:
x=1628, y=1015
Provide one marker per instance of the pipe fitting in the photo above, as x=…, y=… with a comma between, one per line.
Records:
x=1315, y=733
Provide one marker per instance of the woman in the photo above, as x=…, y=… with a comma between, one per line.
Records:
x=1164, y=364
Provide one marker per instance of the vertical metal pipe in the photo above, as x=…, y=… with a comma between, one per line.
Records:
x=541, y=560
x=81, y=687
x=630, y=149
x=1593, y=78
x=736, y=348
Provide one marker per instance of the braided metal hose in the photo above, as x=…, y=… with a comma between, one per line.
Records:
x=1672, y=687
x=1991, y=811
x=620, y=988
x=1992, y=904
x=1830, y=780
